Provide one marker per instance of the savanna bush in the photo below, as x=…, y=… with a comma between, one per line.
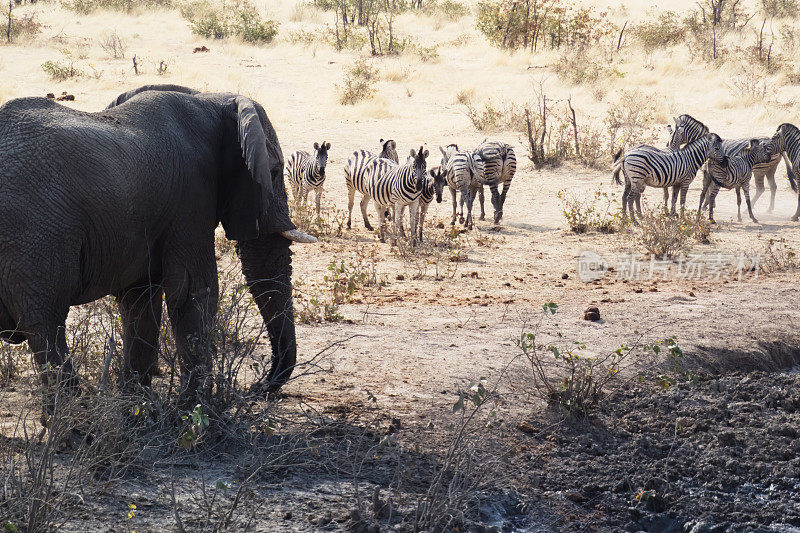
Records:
x=597, y=211
x=358, y=83
x=215, y=21
x=451, y=10
x=88, y=6
x=532, y=24
x=659, y=30
x=25, y=26
x=663, y=235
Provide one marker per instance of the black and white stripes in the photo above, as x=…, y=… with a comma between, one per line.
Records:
x=306, y=172
x=461, y=170
x=499, y=167
x=646, y=165
x=787, y=140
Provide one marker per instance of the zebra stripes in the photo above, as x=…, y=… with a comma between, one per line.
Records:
x=355, y=170
x=688, y=128
x=306, y=173
x=461, y=170
x=433, y=186
x=499, y=166
x=787, y=140
x=646, y=165
x=733, y=173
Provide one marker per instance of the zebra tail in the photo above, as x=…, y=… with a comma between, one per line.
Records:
x=790, y=174
x=616, y=166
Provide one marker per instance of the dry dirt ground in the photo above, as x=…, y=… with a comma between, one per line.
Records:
x=715, y=454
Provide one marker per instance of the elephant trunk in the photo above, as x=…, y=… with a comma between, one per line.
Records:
x=267, y=267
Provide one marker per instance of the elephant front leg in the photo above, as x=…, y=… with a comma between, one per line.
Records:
x=140, y=310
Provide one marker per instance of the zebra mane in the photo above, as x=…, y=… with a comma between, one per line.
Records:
x=788, y=127
x=685, y=120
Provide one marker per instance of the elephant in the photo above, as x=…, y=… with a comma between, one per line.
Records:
x=125, y=202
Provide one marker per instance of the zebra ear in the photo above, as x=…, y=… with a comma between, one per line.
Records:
x=425, y=154
x=669, y=128
x=316, y=146
x=327, y=146
x=413, y=153
x=442, y=150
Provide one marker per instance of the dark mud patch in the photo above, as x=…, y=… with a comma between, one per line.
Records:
x=768, y=356
x=719, y=455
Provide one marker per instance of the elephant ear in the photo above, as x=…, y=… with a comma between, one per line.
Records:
x=253, y=199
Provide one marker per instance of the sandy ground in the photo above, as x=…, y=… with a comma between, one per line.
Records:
x=412, y=342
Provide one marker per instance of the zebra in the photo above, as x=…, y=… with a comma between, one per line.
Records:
x=787, y=141
x=354, y=175
x=395, y=186
x=461, y=170
x=647, y=165
x=499, y=166
x=434, y=185
x=688, y=128
x=733, y=173
x=306, y=173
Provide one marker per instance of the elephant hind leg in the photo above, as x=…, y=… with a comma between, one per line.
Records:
x=140, y=309
x=192, y=294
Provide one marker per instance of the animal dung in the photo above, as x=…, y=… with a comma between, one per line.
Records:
x=592, y=313
x=200, y=49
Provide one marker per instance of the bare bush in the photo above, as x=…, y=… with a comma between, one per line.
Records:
x=113, y=44
x=663, y=235
x=599, y=212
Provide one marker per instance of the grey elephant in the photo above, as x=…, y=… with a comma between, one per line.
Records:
x=125, y=202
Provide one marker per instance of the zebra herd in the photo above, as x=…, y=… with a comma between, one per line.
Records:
x=393, y=186
x=727, y=164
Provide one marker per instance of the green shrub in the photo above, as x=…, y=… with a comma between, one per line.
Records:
x=600, y=212
x=663, y=235
x=659, y=31
x=359, y=83
x=88, y=6
x=218, y=22
x=61, y=71
x=531, y=24
x=451, y=10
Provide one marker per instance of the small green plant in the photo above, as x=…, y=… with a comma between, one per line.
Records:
x=359, y=83
x=198, y=424
x=450, y=10
x=600, y=212
x=61, y=71
x=675, y=358
x=659, y=30
x=568, y=374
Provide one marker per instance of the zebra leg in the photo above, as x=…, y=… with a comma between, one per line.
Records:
x=496, y=203
x=364, y=203
x=319, y=199
x=638, y=199
x=453, y=220
x=773, y=188
x=469, y=199
x=703, y=197
x=712, y=201
x=414, y=211
x=666, y=200
x=797, y=213
x=381, y=209
x=506, y=186
x=625, y=196
x=634, y=197
x=675, y=190
x=684, y=188
x=759, y=180
x=481, y=199
x=351, y=198
x=739, y=204
x=399, y=212
x=423, y=210
x=749, y=205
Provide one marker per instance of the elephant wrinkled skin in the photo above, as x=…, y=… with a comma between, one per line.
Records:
x=125, y=202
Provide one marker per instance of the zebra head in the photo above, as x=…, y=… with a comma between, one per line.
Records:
x=439, y=182
x=447, y=153
x=783, y=136
x=760, y=151
x=687, y=129
x=320, y=160
x=420, y=166
x=389, y=150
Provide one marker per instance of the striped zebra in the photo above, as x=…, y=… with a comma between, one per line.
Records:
x=434, y=185
x=787, y=141
x=393, y=186
x=647, y=165
x=499, y=166
x=461, y=170
x=734, y=173
x=688, y=128
x=355, y=178
x=306, y=173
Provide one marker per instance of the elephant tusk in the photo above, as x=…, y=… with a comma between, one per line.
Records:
x=298, y=236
